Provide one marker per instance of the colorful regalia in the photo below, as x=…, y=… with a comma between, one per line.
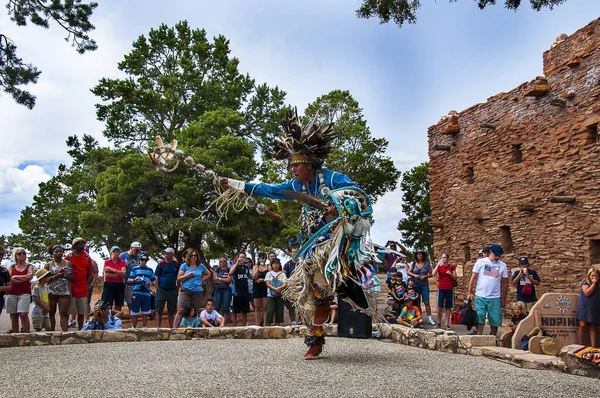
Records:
x=336, y=254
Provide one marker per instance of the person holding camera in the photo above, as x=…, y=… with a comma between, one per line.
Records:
x=240, y=273
x=102, y=318
x=142, y=278
x=59, y=287
x=526, y=279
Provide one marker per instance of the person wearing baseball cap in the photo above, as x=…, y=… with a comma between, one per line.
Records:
x=525, y=280
x=410, y=315
x=490, y=279
x=166, y=287
x=132, y=259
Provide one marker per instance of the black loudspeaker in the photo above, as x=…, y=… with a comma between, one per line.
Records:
x=353, y=323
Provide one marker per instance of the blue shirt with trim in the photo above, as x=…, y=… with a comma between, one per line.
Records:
x=140, y=286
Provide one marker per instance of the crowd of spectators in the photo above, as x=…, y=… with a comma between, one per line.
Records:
x=65, y=285
x=239, y=286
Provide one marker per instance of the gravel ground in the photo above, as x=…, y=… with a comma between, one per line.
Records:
x=270, y=368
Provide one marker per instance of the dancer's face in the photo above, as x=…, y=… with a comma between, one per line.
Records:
x=303, y=172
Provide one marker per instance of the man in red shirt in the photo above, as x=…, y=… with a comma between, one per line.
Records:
x=82, y=276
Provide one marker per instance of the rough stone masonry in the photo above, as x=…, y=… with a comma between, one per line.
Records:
x=523, y=170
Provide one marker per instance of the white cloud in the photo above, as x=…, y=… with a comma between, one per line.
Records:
x=404, y=79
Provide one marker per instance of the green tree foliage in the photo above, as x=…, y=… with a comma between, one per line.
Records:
x=182, y=86
x=55, y=215
x=415, y=229
x=176, y=75
x=357, y=153
x=405, y=11
x=71, y=15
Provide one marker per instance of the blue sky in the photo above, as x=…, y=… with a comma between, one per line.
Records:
x=404, y=79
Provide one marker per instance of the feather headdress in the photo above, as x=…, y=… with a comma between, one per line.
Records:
x=310, y=144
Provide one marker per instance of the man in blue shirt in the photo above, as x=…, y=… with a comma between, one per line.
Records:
x=141, y=278
x=166, y=280
x=132, y=259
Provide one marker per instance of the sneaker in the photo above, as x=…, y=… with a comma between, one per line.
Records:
x=72, y=324
x=472, y=332
x=430, y=321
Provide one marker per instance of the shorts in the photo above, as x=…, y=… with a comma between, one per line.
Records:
x=491, y=307
x=241, y=305
x=188, y=299
x=166, y=296
x=114, y=293
x=445, y=298
x=260, y=292
x=527, y=305
x=41, y=323
x=127, y=294
x=140, y=304
x=79, y=304
x=288, y=304
x=423, y=291
x=18, y=304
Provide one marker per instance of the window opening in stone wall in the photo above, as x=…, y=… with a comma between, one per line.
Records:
x=467, y=251
x=507, y=243
x=592, y=131
x=469, y=175
x=517, y=153
x=595, y=251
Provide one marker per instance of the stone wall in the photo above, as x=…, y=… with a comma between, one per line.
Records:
x=523, y=170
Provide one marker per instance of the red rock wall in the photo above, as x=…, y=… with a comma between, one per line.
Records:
x=560, y=156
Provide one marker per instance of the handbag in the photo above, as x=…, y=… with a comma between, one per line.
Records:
x=527, y=290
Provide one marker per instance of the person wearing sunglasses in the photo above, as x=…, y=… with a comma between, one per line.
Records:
x=18, y=298
x=190, y=277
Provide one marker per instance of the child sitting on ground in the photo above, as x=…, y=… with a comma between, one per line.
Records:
x=209, y=317
x=392, y=312
x=190, y=320
x=40, y=314
x=519, y=314
x=410, y=315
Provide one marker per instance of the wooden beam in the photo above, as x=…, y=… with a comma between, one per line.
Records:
x=563, y=199
x=487, y=126
x=440, y=147
x=436, y=224
x=526, y=206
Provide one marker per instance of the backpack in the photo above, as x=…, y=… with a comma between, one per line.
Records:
x=467, y=315
x=162, y=264
x=524, y=345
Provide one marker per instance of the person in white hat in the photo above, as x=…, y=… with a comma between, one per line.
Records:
x=132, y=258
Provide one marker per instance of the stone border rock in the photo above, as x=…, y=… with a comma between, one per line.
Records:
x=448, y=341
x=431, y=339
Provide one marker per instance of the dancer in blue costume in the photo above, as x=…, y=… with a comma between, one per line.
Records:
x=336, y=255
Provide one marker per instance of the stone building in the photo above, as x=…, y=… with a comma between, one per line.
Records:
x=523, y=170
